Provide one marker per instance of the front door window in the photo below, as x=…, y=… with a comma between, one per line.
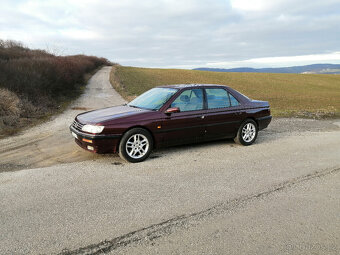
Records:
x=189, y=100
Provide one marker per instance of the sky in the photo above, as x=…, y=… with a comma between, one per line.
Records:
x=180, y=33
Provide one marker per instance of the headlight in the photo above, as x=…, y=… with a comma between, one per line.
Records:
x=92, y=129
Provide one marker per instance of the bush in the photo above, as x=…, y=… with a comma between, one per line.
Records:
x=40, y=79
x=9, y=108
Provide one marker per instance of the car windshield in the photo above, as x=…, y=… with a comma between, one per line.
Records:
x=153, y=99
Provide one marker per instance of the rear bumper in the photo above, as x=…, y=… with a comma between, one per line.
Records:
x=101, y=143
x=263, y=122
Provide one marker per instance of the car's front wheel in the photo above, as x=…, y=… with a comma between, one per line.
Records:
x=135, y=145
x=247, y=133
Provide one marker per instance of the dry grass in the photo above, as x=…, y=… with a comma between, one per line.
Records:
x=303, y=95
x=10, y=108
x=9, y=103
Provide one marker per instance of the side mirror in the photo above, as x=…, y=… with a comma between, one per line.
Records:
x=172, y=110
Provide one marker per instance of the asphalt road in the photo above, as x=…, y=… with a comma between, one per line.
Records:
x=278, y=196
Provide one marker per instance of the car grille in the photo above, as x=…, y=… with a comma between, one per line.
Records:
x=77, y=125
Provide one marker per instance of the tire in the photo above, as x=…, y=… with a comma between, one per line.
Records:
x=247, y=133
x=135, y=145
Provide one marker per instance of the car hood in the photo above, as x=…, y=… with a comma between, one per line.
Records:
x=110, y=113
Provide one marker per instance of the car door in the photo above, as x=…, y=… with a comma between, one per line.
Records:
x=223, y=115
x=186, y=126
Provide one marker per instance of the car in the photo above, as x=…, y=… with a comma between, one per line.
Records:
x=171, y=115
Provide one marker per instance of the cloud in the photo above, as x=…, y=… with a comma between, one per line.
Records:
x=170, y=33
x=252, y=5
x=79, y=34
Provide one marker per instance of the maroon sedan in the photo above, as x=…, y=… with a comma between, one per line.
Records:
x=171, y=115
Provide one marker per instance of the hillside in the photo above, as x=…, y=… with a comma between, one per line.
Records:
x=310, y=69
x=312, y=95
x=35, y=84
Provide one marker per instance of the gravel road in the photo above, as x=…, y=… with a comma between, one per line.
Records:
x=278, y=196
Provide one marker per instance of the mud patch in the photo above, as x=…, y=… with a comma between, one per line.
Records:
x=8, y=167
x=81, y=108
x=117, y=163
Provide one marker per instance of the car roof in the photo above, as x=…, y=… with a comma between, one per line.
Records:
x=194, y=85
x=234, y=92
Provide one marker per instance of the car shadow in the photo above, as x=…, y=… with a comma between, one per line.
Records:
x=264, y=137
x=158, y=153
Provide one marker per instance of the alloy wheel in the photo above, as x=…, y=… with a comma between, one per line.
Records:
x=248, y=132
x=137, y=146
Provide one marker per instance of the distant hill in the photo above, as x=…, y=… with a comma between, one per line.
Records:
x=313, y=69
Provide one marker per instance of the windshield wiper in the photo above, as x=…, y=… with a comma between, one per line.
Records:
x=133, y=106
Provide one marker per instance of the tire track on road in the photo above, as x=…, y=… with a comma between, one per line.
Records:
x=165, y=228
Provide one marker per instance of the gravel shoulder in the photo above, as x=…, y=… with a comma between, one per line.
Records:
x=81, y=199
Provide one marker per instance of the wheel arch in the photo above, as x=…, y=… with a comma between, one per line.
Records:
x=139, y=126
x=252, y=118
x=239, y=139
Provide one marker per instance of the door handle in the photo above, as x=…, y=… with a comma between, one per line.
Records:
x=202, y=117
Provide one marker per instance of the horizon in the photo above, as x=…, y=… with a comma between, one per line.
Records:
x=54, y=52
x=237, y=67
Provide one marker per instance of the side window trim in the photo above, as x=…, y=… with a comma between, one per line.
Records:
x=238, y=102
x=229, y=98
x=205, y=99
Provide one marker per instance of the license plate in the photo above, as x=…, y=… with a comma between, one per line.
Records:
x=75, y=135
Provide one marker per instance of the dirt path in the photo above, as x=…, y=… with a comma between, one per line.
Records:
x=51, y=143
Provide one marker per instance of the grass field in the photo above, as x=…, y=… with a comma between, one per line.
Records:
x=300, y=95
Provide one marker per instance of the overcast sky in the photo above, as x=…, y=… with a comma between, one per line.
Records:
x=180, y=33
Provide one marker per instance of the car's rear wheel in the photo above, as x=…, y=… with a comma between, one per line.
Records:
x=136, y=145
x=247, y=133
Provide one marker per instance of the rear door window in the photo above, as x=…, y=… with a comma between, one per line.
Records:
x=217, y=98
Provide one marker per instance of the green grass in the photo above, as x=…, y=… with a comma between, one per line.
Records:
x=302, y=95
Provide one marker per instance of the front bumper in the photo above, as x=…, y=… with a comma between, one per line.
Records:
x=99, y=143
